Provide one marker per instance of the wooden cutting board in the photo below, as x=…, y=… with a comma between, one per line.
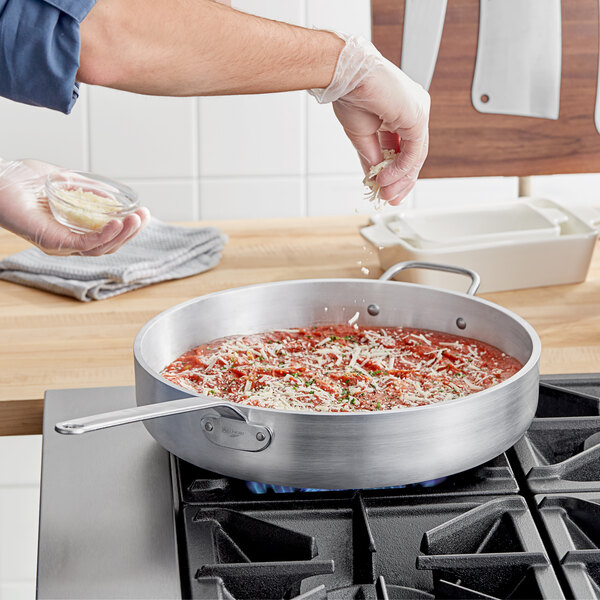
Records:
x=467, y=143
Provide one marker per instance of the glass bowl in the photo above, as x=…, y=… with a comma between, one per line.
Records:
x=85, y=202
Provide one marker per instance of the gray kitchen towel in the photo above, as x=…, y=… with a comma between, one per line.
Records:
x=159, y=253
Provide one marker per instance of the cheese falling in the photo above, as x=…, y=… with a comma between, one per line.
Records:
x=369, y=180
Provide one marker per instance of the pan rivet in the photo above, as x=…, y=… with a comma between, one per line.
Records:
x=260, y=436
x=209, y=426
x=373, y=310
x=461, y=323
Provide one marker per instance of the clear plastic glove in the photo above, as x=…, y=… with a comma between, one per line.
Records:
x=24, y=212
x=380, y=108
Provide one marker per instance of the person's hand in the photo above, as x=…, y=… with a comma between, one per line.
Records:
x=25, y=213
x=380, y=107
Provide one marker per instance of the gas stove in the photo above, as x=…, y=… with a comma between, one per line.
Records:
x=121, y=518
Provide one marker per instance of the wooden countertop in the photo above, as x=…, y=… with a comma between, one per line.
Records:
x=50, y=342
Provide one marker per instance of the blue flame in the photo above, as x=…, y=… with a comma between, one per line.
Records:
x=431, y=482
x=257, y=488
x=262, y=488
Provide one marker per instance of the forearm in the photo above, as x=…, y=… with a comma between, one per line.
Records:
x=199, y=47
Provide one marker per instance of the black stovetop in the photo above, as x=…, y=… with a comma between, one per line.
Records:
x=524, y=525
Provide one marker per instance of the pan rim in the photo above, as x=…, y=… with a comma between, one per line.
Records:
x=531, y=363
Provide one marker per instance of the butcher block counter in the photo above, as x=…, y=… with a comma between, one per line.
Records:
x=50, y=342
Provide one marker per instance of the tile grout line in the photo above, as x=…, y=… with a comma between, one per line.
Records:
x=87, y=129
x=196, y=158
x=304, y=186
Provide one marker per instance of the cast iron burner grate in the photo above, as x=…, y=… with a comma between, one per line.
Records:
x=366, y=547
x=572, y=522
x=561, y=450
x=469, y=536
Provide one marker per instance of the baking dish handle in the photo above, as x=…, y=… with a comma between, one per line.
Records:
x=590, y=214
x=230, y=428
x=415, y=264
x=379, y=235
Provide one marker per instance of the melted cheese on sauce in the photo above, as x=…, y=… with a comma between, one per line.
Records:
x=342, y=368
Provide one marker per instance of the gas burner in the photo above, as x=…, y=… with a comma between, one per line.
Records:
x=262, y=488
x=198, y=486
x=366, y=548
x=364, y=591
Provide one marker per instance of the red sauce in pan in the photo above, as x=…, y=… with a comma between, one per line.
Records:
x=342, y=368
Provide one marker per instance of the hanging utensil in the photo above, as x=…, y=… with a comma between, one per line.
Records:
x=597, y=110
x=423, y=25
x=518, y=67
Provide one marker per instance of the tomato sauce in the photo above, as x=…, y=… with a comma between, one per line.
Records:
x=342, y=368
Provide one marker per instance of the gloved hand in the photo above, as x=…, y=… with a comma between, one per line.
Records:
x=380, y=107
x=25, y=213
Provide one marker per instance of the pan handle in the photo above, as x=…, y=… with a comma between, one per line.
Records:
x=232, y=431
x=415, y=264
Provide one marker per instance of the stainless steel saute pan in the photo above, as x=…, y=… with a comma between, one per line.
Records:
x=327, y=450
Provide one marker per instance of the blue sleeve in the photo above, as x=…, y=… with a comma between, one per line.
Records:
x=39, y=51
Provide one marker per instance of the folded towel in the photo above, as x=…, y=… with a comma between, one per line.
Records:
x=159, y=253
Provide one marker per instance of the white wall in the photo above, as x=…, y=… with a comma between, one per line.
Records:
x=249, y=156
x=20, y=465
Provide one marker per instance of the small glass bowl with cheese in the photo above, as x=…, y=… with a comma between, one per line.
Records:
x=85, y=202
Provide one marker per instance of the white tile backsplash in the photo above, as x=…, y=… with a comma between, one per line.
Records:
x=349, y=16
x=290, y=12
x=343, y=195
x=329, y=150
x=583, y=188
x=134, y=136
x=34, y=132
x=252, y=135
x=248, y=156
x=433, y=193
x=169, y=200
x=251, y=198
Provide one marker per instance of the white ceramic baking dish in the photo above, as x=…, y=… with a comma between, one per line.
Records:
x=507, y=262
x=480, y=225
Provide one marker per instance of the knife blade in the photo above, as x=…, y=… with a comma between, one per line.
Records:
x=518, y=66
x=597, y=108
x=423, y=26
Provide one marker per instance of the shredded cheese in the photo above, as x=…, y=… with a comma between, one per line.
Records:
x=369, y=180
x=341, y=369
x=84, y=208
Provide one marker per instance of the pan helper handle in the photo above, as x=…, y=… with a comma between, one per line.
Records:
x=415, y=264
x=380, y=108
